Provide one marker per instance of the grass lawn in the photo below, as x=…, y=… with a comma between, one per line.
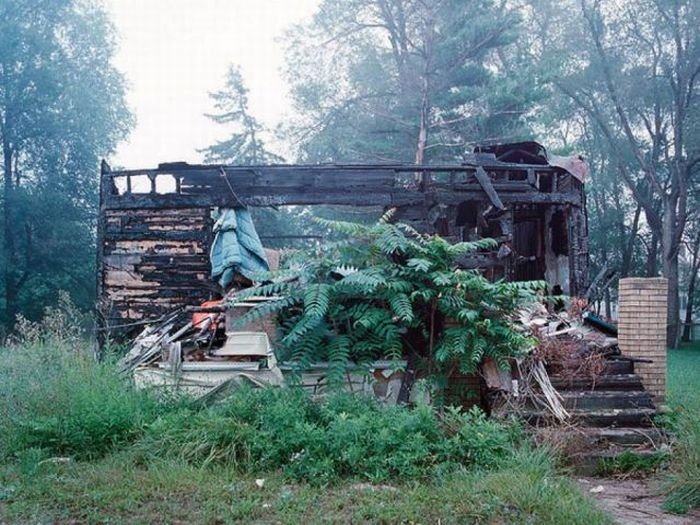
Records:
x=116, y=490
x=126, y=487
x=78, y=446
x=684, y=377
x=682, y=480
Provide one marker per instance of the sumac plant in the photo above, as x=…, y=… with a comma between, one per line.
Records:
x=389, y=292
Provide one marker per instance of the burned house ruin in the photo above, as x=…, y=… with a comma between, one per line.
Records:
x=155, y=226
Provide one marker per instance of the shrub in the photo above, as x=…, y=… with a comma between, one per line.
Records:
x=388, y=293
x=479, y=440
x=344, y=436
x=55, y=396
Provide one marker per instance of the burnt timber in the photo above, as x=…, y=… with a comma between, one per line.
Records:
x=154, y=228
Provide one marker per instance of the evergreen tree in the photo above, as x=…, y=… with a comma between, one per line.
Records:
x=406, y=80
x=244, y=145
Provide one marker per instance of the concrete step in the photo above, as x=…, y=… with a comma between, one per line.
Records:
x=619, y=367
x=625, y=417
x=606, y=399
x=625, y=382
x=591, y=463
x=651, y=437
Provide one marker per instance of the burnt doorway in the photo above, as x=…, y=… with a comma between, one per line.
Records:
x=528, y=244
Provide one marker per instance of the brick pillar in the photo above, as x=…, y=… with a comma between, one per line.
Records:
x=642, y=329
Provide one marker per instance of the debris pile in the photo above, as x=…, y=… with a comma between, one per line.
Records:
x=205, y=350
x=571, y=344
x=197, y=350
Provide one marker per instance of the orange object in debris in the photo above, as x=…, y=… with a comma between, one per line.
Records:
x=207, y=320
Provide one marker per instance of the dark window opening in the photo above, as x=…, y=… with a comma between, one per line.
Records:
x=546, y=183
x=528, y=247
x=493, y=229
x=467, y=219
x=442, y=227
x=468, y=214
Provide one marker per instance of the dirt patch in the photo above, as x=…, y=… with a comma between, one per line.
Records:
x=633, y=502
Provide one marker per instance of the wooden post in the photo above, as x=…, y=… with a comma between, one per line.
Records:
x=99, y=267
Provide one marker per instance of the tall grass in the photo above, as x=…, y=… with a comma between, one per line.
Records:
x=344, y=436
x=55, y=397
x=683, y=479
x=56, y=400
x=66, y=403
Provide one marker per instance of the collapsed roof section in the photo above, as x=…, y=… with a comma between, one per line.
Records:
x=155, y=227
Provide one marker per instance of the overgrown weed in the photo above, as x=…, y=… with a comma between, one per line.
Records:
x=345, y=458
x=57, y=400
x=343, y=436
x=629, y=464
x=55, y=397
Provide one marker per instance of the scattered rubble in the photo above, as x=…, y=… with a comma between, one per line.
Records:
x=577, y=383
x=570, y=344
x=202, y=351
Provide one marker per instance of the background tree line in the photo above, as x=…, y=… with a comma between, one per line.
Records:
x=378, y=80
x=61, y=108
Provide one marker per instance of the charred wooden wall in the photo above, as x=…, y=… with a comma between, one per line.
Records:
x=154, y=260
x=154, y=229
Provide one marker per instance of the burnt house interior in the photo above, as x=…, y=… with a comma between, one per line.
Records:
x=155, y=225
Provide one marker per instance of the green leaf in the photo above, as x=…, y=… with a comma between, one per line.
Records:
x=402, y=307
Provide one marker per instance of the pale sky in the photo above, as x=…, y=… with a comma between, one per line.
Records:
x=174, y=52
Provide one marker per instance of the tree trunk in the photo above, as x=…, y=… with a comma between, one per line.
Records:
x=629, y=249
x=422, y=135
x=670, y=271
x=652, y=254
x=687, y=329
x=673, y=318
x=423, y=125
x=9, y=237
x=690, y=299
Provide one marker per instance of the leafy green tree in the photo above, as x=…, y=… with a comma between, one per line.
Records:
x=406, y=80
x=390, y=293
x=61, y=108
x=630, y=69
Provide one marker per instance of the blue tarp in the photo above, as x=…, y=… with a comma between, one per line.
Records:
x=236, y=248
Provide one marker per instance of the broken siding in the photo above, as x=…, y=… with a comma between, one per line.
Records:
x=154, y=261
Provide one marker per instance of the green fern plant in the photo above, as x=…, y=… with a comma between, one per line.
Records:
x=389, y=292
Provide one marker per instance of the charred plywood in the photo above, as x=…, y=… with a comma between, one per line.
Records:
x=153, y=261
